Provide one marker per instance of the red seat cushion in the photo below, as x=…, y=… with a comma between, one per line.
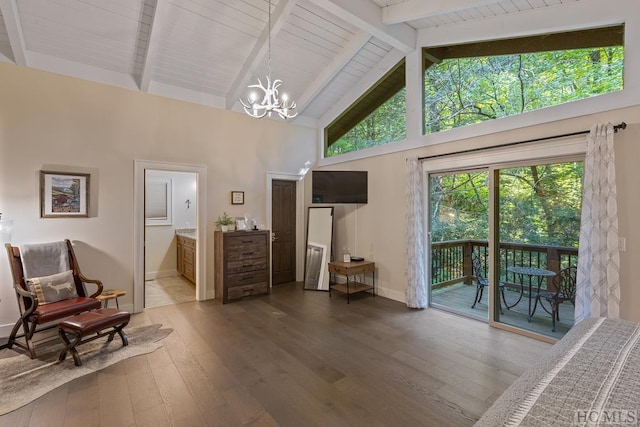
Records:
x=65, y=308
x=96, y=320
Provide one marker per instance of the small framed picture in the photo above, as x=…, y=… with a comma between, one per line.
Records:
x=237, y=197
x=64, y=194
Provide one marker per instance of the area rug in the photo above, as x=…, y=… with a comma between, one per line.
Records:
x=23, y=380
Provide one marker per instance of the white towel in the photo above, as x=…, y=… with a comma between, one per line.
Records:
x=44, y=259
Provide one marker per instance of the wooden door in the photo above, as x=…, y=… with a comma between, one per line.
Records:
x=283, y=219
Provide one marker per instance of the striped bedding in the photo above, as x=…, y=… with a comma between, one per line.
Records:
x=591, y=377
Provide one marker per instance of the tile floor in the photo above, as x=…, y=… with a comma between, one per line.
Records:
x=168, y=290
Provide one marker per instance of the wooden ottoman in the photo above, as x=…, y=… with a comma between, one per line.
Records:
x=80, y=328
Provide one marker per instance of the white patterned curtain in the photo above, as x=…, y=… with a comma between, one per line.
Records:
x=416, y=291
x=598, y=283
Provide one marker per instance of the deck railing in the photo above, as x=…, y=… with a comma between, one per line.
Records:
x=451, y=260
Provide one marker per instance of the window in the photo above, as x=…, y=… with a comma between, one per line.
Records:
x=158, y=192
x=376, y=118
x=472, y=83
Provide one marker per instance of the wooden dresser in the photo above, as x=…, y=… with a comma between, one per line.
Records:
x=241, y=264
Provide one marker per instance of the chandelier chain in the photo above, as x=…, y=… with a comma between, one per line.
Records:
x=269, y=42
x=269, y=103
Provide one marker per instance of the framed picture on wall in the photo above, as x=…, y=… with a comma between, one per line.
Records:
x=64, y=194
x=237, y=197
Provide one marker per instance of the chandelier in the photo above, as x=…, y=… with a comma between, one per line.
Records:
x=267, y=102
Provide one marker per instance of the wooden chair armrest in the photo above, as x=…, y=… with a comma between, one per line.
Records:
x=97, y=282
x=30, y=295
x=24, y=293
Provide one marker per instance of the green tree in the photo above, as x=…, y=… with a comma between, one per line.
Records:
x=386, y=124
x=464, y=91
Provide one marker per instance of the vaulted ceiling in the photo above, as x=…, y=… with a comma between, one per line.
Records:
x=208, y=51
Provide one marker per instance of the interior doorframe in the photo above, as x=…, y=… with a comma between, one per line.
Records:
x=271, y=176
x=140, y=166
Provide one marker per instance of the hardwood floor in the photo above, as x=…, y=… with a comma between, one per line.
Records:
x=297, y=358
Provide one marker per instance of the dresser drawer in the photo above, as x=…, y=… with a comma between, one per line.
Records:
x=242, y=239
x=246, y=251
x=246, y=277
x=247, y=265
x=247, y=290
x=351, y=269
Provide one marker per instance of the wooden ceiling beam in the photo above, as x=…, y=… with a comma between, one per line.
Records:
x=367, y=16
x=419, y=9
x=12, y=23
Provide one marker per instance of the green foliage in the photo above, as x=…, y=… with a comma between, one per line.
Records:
x=541, y=204
x=225, y=219
x=459, y=92
x=459, y=207
x=385, y=124
x=464, y=91
x=537, y=204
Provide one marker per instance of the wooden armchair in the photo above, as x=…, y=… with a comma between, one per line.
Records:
x=36, y=314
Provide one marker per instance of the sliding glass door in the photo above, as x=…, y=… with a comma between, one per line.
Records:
x=538, y=224
x=519, y=221
x=458, y=215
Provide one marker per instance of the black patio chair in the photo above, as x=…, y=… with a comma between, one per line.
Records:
x=482, y=282
x=565, y=291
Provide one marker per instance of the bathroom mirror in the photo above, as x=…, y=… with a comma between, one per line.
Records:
x=319, y=240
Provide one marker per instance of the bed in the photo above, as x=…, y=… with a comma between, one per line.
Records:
x=589, y=377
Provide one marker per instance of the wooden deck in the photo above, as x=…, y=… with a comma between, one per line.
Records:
x=459, y=298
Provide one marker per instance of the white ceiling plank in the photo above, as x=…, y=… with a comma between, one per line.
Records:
x=366, y=82
x=159, y=18
x=65, y=67
x=419, y=9
x=259, y=51
x=368, y=17
x=188, y=95
x=565, y=17
x=333, y=68
x=14, y=31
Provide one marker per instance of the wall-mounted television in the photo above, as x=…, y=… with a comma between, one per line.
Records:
x=339, y=186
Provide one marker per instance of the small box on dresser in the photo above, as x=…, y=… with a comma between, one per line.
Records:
x=241, y=264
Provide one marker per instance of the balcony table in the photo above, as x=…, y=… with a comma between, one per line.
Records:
x=532, y=272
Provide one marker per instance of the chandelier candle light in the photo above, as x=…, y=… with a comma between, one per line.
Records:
x=270, y=103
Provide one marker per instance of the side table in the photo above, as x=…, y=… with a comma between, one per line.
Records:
x=109, y=294
x=348, y=269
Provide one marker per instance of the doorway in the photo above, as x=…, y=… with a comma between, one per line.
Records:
x=202, y=292
x=170, y=236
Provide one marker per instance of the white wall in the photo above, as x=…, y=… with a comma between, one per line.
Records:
x=160, y=248
x=49, y=122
